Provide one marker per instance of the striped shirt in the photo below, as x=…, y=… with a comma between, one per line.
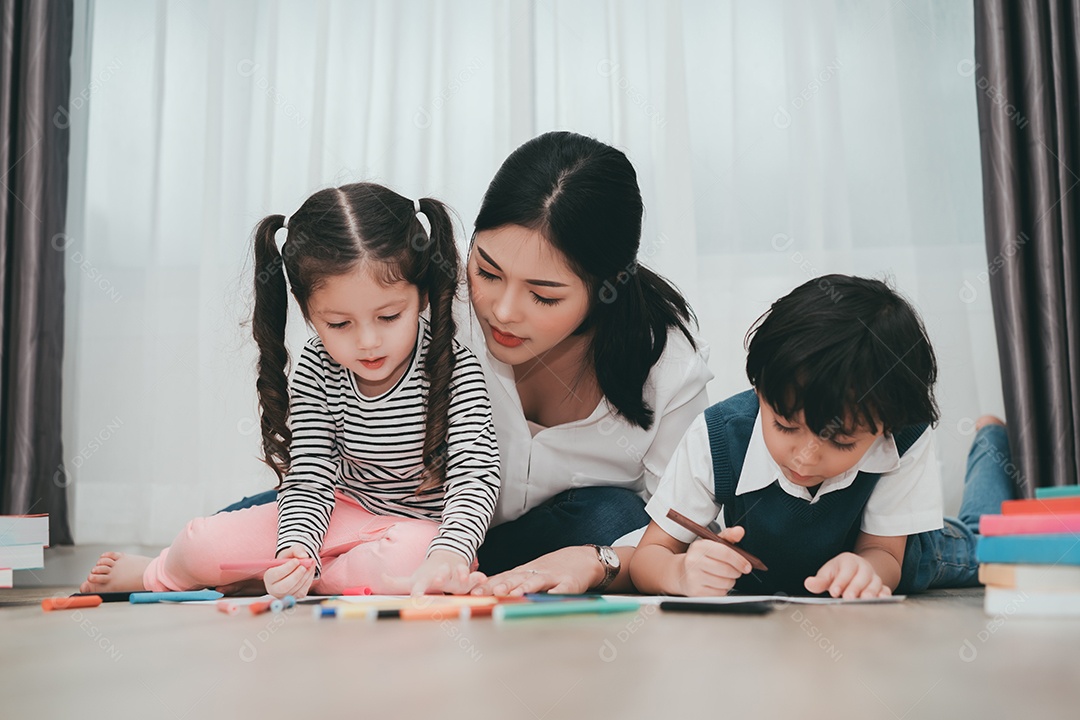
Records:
x=371, y=449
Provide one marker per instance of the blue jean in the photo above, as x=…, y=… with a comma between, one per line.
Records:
x=579, y=516
x=946, y=558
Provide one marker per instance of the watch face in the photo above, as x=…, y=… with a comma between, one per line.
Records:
x=611, y=558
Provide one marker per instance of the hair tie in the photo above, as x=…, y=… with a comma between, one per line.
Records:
x=422, y=217
x=279, y=238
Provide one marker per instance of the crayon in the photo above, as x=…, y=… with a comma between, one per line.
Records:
x=139, y=598
x=70, y=603
x=706, y=534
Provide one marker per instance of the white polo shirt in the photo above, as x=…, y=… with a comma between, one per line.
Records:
x=906, y=500
x=601, y=450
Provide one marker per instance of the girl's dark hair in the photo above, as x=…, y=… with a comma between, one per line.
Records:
x=848, y=352
x=333, y=231
x=583, y=197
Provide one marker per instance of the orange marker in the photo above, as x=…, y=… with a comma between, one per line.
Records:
x=362, y=590
x=484, y=611
x=70, y=603
x=258, y=608
x=476, y=612
x=437, y=612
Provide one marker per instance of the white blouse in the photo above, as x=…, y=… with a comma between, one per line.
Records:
x=601, y=450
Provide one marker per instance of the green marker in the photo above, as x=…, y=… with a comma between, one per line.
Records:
x=512, y=611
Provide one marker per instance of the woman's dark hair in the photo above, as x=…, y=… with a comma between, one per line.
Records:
x=848, y=352
x=583, y=197
x=333, y=231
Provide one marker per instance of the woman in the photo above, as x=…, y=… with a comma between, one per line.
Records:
x=593, y=371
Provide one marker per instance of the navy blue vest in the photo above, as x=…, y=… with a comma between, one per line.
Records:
x=793, y=537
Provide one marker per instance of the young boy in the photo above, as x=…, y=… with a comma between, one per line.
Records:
x=827, y=469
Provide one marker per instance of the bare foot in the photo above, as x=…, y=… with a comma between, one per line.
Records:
x=988, y=420
x=116, y=572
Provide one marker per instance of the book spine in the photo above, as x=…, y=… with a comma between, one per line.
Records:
x=22, y=557
x=1056, y=492
x=1028, y=524
x=1031, y=549
x=1001, y=601
x=1054, y=578
x=1058, y=505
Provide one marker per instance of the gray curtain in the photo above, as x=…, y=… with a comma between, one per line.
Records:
x=1028, y=85
x=35, y=83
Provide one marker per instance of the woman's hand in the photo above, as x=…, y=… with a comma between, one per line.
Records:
x=849, y=576
x=290, y=578
x=569, y=570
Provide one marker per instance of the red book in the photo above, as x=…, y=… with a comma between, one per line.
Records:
x=1044, y=523
x=1057, y=506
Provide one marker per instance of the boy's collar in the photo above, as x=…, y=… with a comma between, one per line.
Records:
x=760, y=470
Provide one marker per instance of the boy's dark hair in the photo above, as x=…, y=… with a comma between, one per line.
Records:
x=583, y=197
x=848, y=352
x=333, y=231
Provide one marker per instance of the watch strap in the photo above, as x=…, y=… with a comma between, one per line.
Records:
x=610, y=571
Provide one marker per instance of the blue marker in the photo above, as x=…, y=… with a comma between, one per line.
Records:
x=155, y=597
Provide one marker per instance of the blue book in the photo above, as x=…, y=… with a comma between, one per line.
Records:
x=1030, y=549
x=1058, y=491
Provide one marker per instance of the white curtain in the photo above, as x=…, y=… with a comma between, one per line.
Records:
x=773, y=141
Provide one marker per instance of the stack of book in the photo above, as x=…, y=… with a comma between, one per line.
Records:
x=1029, y=555
x=23, y=539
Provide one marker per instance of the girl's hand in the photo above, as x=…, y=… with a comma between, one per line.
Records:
x=442, y=572
x=290, y=578
x=709, y=568
x=571, y=570
x=849, y=576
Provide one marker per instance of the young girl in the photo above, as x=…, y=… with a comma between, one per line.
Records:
x=826, y=470
x=383, y=444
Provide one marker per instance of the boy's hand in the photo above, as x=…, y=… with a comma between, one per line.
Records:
x=290, y=578
x=709, y=568
x=848, y=576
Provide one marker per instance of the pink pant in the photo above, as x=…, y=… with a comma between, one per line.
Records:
x=359, y=547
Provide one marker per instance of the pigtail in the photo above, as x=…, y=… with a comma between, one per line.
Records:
x=439, y=261
x=268, y=328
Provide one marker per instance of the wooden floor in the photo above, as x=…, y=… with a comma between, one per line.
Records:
x=934, y=656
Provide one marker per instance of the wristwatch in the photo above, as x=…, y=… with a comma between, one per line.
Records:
x=610, y=560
